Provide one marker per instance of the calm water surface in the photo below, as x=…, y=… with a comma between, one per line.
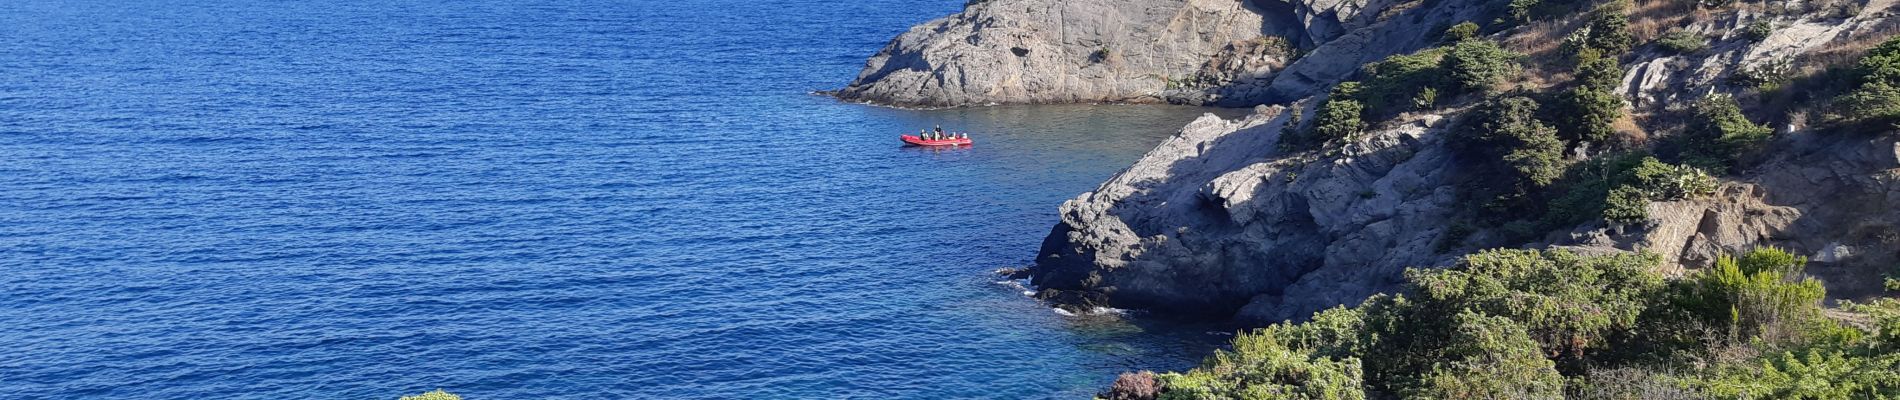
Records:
x=524, y=200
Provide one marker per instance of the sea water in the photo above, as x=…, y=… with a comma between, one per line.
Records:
x=527, y=200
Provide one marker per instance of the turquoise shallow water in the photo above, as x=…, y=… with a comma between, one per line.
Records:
x=526, y=199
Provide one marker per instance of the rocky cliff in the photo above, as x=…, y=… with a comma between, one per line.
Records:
x=1204, y=52
x=1220, y=221
x=1217, y=222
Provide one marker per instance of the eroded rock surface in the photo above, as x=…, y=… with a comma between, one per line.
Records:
x=1202, y=52
x=1216, y=222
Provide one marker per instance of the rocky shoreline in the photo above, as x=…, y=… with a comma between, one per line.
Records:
x=1218, y=222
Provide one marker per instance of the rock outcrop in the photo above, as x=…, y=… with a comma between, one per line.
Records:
x=1203, y=52
x=1214, y=221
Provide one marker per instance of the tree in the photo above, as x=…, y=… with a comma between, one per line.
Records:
x=1609, y=29
x=1507, y=133
x=1476, y=66
x=1589, y=114
x=1339, y=116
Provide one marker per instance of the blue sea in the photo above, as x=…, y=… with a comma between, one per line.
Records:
x=526, y=199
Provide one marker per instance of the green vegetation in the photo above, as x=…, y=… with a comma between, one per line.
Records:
x=1758, y=30
x=438, y=394
x=1586, y=112
x=1527, y=324
x=1476, y=66
x=1505, y=133
x=1718, y=135
x=1681, y=42
x=1391, y=82
x=1339, y=116
x=1876, y=99
x=1608, y=31
x=1461, y=32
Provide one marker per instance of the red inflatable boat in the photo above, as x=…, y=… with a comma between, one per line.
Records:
x=913, y=140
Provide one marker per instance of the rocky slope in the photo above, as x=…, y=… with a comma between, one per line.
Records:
x=1212, y=52
x=1216, y=222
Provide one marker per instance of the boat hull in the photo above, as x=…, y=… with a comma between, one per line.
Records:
x=914, y=140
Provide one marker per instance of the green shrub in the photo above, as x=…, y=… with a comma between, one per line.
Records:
x=1609, y=30
x=1313, y=360
x=1461, y=32
x=1529, y=324
x=1664, y=182
x=1588, y=114
x=1598, y=72
x=1520, y=10
x=1391, y=82
x=1339, y=116
x=1873, y=102
x=1571, y=304
x=1681, y=42
x=1626, y=205
x=1718, y=134
x=1765, y=76
x=1476, y=66
x=1758, y=30
x=438, y=394
x=1809, y=374
x=1427, y=99
x=1490, y=358
x=1505, y=132
x=1760, y=294
x=1877, y=99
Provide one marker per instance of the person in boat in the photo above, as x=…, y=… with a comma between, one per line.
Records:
x=966, y=135
x=940, y=130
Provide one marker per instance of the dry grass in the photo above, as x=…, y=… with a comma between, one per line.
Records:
x=1629, y=133
x=1540, y=40
x=1650, y=19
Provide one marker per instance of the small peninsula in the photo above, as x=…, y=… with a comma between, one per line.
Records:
x=1429, y=176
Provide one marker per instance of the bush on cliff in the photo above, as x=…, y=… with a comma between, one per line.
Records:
x=1505, y=133
x=1718, y=135
x=1587, y=112
x=1618, y=189
x=1608, y=31
x=1461, y=32
x=1391, y=83
x=1877, y=98
x=1476, y=66
x=1337, y=118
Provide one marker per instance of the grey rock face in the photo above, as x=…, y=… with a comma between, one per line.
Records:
x=1202, y=52
x=1214, y=221
x=1048, y=51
